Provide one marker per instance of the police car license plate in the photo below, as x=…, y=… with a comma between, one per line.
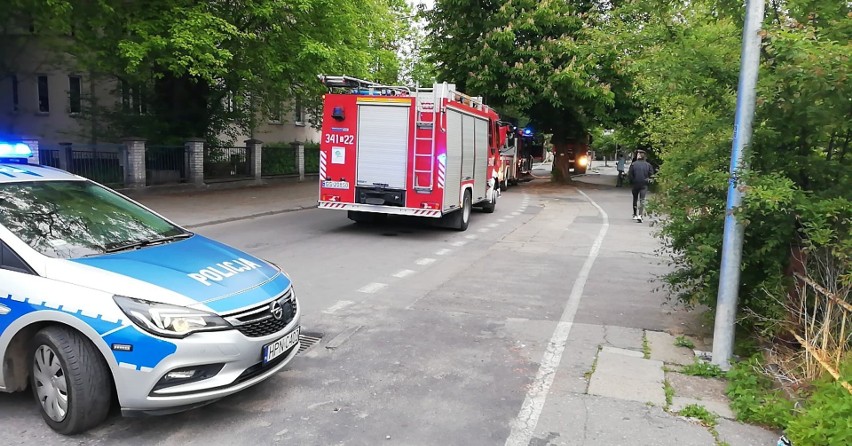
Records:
x=335, y=184
x=277, y=348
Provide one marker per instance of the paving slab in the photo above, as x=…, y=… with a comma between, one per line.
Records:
x=739, y=434
x=720, y=408
x=621, y=351
x=663, y=348
x=586, y=420
x=697, y=387
x=628, y=378
x=623, y=337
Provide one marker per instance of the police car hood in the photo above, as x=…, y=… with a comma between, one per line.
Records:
x=208, y=273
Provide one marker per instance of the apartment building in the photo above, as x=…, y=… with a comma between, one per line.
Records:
x=45, y=96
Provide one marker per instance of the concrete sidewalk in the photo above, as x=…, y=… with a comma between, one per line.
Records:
x=195, y=208
x=637, y=374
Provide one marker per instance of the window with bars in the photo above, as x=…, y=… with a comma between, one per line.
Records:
x=43, y=95
x=15, y=100
x=75, y=88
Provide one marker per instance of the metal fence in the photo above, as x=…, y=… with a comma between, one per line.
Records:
x=165, y=164
x=279, y=159
x=98, y=162
x=222, y=163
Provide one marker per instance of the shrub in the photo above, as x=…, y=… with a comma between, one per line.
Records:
x=754, y=397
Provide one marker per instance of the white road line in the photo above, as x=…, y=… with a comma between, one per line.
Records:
x=523, y=427
x=509, y=217
x=502, y=220
x=443, y=252
x=341, y=304
x=471, y=236
x=425, y=261
x=484, y=230
x=403, y=273
x=516, y=214
x=459, y=243
x=372, y=287
x=493, y=225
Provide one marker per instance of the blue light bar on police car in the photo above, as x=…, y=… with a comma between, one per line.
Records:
x=17, y=150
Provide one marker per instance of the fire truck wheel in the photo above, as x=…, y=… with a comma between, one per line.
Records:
x=489, y=206
x=459, y=220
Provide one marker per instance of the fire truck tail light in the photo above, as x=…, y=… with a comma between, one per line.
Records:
x=430, y=206
x=329, y=197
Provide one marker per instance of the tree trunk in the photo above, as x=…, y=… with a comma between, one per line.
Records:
x=561, y=161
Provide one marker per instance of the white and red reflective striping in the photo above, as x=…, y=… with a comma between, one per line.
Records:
x=432, y=213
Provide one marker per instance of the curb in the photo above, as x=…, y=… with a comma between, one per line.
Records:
x=247, y=217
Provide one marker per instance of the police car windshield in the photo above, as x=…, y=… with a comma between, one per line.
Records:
x=71, y=219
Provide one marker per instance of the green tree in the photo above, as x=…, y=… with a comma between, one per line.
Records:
x=684, y=59
x=201, y=67
x=536, y=56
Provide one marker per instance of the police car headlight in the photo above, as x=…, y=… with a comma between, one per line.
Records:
x=169, y=320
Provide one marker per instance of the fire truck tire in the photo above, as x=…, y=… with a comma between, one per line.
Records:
x=460, y=219
x=489, y=206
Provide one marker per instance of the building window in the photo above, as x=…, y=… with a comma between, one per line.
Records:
x=299, y=112
x=15, y=93
x=75, y=103
x=132, y=99
x=275, y=112
x=43, y=95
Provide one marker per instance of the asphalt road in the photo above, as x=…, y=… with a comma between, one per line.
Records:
x=437, y=336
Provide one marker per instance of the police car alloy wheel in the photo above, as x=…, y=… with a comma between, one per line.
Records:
x=69, y=380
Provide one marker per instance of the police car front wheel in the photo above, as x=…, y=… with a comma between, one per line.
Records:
x=69, y=379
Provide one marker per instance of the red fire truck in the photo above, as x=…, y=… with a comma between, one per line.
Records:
x=518, y=149
x=390, y=150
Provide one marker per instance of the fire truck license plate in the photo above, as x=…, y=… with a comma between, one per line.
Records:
x=335, y=184
x=277, y=348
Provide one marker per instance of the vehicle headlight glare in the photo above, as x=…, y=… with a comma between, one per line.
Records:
x=169, y=320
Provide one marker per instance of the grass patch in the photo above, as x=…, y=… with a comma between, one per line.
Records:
x=826, y=417
x=683, y=341
x=754, y=397
x=703, y=369
x=700, y=413
x=667, y=387
x=646, y=347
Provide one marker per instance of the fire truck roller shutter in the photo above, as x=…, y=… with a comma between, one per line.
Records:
x=454, y=160
x=480, y=160
x=383, y=145
x=468, y=148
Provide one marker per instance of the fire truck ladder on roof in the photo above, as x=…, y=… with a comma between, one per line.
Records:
x=360, y=86
x=425, y=104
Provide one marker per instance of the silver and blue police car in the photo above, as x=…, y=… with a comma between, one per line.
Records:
x=101, y=297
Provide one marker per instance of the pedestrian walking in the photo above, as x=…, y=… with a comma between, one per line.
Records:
x=619, y=166
x=639, y=176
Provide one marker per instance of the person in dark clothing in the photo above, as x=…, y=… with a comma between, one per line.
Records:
x=619, y=166
x=639, y=176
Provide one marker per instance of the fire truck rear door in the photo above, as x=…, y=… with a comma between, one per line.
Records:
x=383, y=145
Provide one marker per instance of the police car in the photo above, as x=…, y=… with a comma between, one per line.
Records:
x=101, y=298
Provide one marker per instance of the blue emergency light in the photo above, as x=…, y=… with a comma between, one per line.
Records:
x=527, y=132
x=15, y=152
